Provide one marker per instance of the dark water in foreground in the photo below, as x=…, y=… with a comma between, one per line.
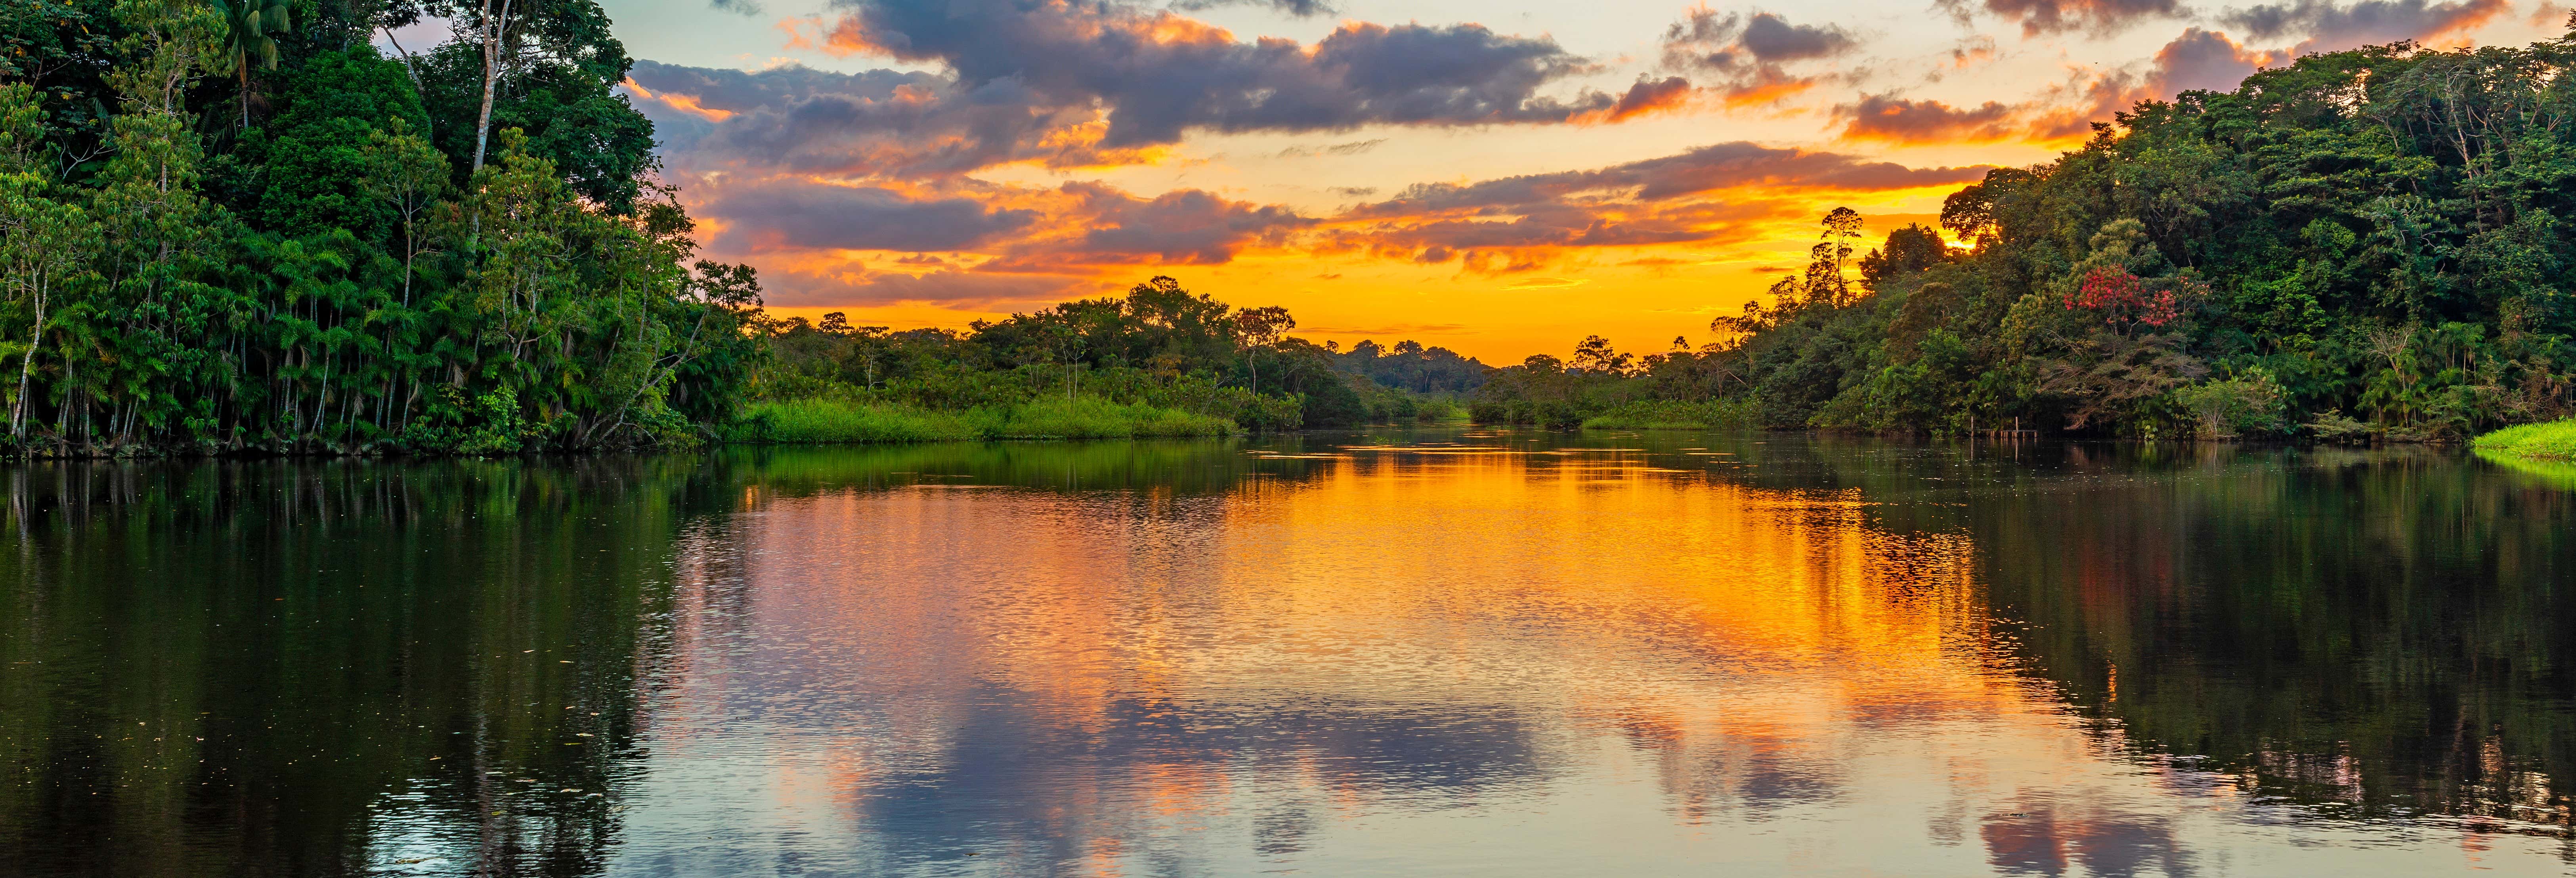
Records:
x=1456, y=652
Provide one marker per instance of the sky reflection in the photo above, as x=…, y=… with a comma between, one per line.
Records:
x=1481, y=652
x=1474, y=657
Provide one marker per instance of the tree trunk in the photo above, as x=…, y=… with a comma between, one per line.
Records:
x=414, y=73
x=409, y=250
x=27, y=368
x=492, y=27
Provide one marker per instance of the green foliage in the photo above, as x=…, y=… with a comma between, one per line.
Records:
x=2554, y=441
x=212, y=261
x=2380, y=231
x=823, y=421
x=1669, y=414
x=2235, y=407
x=235, y=227
x=1160, y=347
x=1548, y=392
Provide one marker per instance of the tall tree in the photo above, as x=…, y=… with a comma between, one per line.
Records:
x=251, y=27
x=1261, y=328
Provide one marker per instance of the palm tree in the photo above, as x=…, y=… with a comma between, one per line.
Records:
x=250, y=26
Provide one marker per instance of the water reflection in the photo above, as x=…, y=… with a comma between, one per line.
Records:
x=1339, y=654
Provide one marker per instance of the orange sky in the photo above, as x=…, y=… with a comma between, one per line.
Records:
x=1497, y=178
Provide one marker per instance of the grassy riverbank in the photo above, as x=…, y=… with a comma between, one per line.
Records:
x=2553, y=441
x=823, y=421
x=1666, y=414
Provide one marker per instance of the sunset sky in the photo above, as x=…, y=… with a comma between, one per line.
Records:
x=1501, y=178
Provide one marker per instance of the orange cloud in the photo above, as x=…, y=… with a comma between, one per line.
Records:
x=1898, y=120
x=2326, y=26
x=1646, y=97
x=680, y=102
x=2066, y=113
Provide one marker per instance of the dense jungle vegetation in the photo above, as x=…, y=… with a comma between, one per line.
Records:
x=235, y=226
x=238, y=227
x=2373, y=243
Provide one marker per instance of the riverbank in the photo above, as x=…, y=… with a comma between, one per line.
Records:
x=823, y=421
x=2546, y=451
x=2553, y=442
x=1664, y=414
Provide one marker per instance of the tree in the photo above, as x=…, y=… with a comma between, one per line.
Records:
x=409, y=176
x=1909, y=250
x=1261, y=328
x=251, y=28
x=1825, y=280
x=1595, y=355
x=43, y=241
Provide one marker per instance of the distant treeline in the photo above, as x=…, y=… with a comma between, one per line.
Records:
x=1159, y=345
x=2365, y=243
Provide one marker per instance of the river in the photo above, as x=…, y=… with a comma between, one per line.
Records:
x=1403, y=652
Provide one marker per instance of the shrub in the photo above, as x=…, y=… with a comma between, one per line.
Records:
x=2234, y=407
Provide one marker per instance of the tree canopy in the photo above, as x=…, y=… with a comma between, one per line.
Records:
x=2370, y=242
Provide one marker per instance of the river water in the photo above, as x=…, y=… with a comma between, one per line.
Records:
x=1437, y=652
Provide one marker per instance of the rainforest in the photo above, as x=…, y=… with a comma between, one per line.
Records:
x=2364, y=245
x=241, y=227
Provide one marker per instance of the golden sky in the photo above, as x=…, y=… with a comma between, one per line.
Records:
x=1500, y=178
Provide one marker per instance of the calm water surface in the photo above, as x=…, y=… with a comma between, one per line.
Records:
x=1462, y=652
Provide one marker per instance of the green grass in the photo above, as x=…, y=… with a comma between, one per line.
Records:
x=2553, y=441
x=1659, y=414
x=1439, y=411
x=820, y=422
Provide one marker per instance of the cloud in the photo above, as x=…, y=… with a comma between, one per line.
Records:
x=1504, y=224
x=1159, y=74
x=1898, y=120
x=1186, y=227
x=2198, y=59
x=1708, y=41
x=951, y=288
x=1725, y=192
x=1751, y=55
x=1649, y=96
x=1973, y=51
x=2206, y=60
x=1353, y=148
x=1088, y=83
x=868, y=182
x=1298, y=8
x=2099, y=17
x=1702, y=170
x=880, y=123
x=2327, y=27
x=782, y=216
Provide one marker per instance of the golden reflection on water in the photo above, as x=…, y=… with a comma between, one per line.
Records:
x=1406, y=658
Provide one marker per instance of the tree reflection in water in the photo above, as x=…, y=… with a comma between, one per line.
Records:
x=1323, y=652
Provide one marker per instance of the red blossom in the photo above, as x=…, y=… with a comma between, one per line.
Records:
x=2125, y=299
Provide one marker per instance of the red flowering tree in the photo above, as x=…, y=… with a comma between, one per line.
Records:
x=2126, y=301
